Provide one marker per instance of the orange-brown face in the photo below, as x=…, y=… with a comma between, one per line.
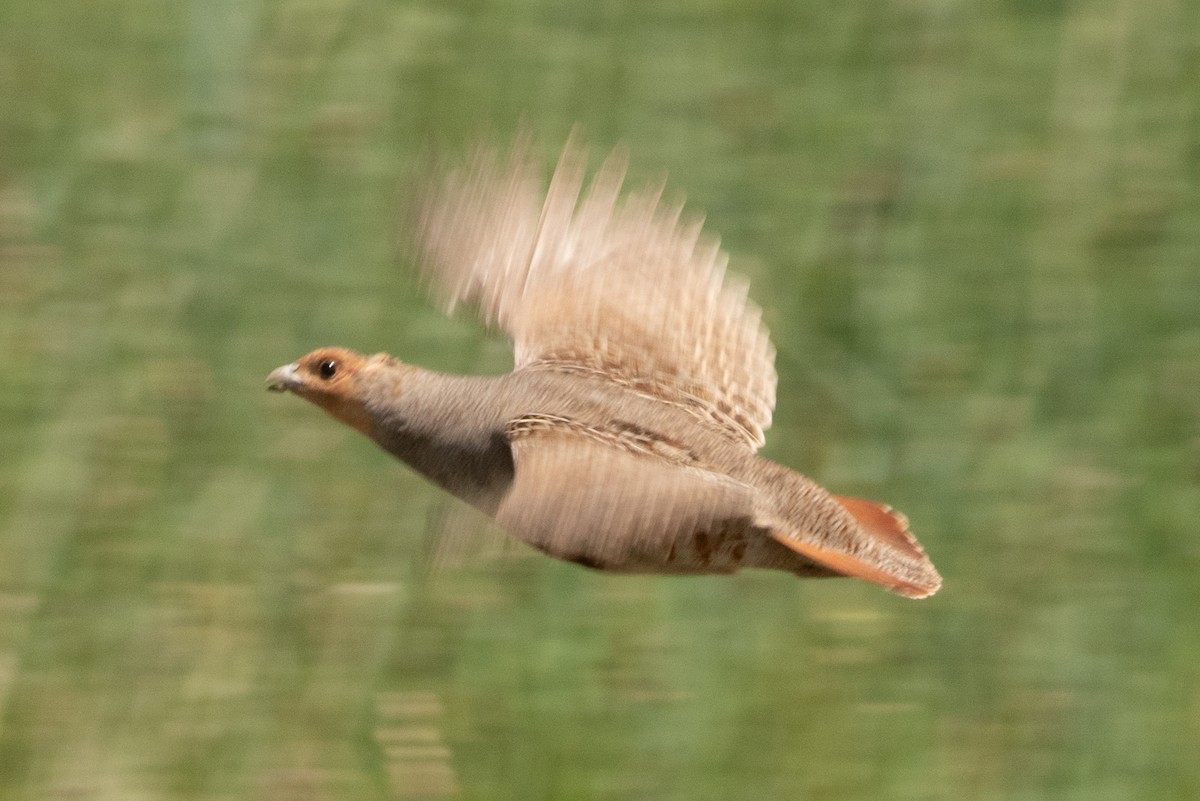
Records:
x=329, y=378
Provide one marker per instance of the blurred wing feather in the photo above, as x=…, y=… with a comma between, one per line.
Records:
x=601, y=505
x=597, y=283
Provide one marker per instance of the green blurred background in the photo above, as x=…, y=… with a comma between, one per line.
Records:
x=974, y=230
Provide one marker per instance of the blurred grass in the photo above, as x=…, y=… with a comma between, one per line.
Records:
x=973, y=228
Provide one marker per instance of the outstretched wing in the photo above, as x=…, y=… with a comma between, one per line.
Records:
x=599, y=283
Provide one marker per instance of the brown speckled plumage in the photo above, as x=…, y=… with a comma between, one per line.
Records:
x=624, y=438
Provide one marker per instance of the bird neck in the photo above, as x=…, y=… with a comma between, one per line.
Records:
x=448, y=428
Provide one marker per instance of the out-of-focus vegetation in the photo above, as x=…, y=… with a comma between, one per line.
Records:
x=974, y=228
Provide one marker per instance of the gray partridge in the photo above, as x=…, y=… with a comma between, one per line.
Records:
x=624, y=439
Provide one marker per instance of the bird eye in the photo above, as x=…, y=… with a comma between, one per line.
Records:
x=327, y=369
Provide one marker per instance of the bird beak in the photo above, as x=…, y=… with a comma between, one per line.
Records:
x=283, y=379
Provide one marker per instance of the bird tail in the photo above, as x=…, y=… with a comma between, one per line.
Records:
x=850, y=536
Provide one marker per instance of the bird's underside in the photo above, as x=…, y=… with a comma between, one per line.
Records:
x=625, y=437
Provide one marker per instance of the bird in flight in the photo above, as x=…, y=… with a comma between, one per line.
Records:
x=625, y=437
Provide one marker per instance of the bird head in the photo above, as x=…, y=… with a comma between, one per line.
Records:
x=332, y=378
